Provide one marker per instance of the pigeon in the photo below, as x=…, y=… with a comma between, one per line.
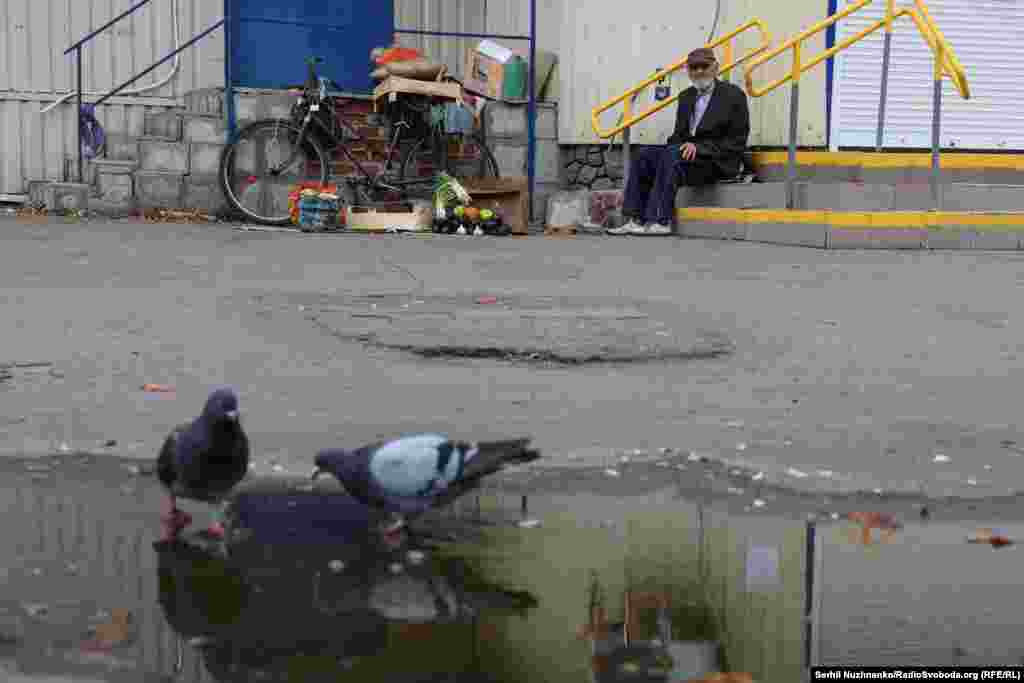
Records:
x=204, y=459
x=412, y=474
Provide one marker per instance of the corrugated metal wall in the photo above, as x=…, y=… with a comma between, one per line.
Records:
x=34, y=73
x=607, y=47
x=596, y=61
x=506, y=17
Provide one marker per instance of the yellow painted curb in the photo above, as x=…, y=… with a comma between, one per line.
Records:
x=1013, y=162
x=864, y=220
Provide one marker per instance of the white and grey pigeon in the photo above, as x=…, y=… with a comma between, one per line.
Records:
x=412, y=474
x=204, y=459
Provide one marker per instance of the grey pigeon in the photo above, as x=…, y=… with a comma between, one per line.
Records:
x=412, y=474
x=204, y=459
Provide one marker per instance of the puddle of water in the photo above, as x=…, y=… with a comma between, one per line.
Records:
x=624, y=579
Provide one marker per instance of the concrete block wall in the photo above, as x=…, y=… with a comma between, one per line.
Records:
x=507, y=128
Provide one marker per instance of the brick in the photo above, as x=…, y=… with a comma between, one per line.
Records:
x=845, y=238
x=158, y=155
x=204, y=192
x=154, y=189
x=122, y=147
x=796, y=234
x=67, y=197
x=163, y=125
x=949, y=239
x=996, y=241
x=204, y=129
x=115, y=187
x=204, y=158
x=713, y=230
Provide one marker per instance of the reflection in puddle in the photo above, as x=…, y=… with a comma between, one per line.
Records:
x=597, y=585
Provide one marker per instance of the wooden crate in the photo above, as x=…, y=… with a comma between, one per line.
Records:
x=507, y=196
x=374, y=219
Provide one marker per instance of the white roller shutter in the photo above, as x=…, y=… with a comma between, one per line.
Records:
x=988, y=38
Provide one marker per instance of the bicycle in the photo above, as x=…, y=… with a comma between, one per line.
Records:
x=314, y=134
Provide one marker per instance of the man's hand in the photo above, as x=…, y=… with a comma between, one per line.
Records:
x=689, y=151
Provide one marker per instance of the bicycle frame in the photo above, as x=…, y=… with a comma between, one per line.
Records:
x=315, y=91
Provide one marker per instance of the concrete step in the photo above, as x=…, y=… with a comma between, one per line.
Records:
x=856, y=197
x=893, y=168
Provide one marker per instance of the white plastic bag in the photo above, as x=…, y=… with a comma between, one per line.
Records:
x=568, y=209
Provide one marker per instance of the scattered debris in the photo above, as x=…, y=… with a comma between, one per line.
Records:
x=798, y=474
x=176, y=216
x=35, y=610
x=939, y=457
x=529, y=524
x=735, y=491
x=336, y=566
x=117, y=630
x=158, y=388
x=758, y=503
x=64, y=448
x=612, y=472
x=741, y=446
x=990, y=537
x=396, y=568
x=110, y=443
x=416, y=556
x=758, y=477
x=487, y=300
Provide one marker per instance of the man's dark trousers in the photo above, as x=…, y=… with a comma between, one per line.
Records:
x=654, y=178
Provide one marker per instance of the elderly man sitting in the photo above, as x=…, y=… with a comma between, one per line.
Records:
x=710, y=139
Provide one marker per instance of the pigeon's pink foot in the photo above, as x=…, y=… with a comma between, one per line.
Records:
x=173, y=522
x=216, y=530
x=394, y=534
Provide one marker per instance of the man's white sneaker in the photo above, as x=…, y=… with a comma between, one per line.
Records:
x=657, y=229
x=625, y=229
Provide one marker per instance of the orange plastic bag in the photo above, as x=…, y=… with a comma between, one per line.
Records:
x=398, y=54
x=293, y=196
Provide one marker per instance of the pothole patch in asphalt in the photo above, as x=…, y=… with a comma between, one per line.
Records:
x=543, y=331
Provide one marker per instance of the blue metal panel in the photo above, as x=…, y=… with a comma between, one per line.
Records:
x=271, y=39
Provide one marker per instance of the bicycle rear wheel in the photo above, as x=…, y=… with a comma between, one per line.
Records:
x=468, y=157
x=250, y=176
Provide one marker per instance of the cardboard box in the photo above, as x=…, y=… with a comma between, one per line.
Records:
x=506, y=196
x=488, y=77
x=396, y=84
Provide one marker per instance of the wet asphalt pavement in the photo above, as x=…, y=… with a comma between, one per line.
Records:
x=858, y=370
x=763, y=381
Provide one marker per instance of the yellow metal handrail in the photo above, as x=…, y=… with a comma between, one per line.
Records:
x=630, y=119
x=946, y=61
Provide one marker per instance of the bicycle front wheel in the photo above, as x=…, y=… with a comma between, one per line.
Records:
x=252, y=173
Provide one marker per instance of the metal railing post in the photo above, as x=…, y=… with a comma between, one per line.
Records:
x=626, y=134
x=794, y=117
x=531, y=114
x=78, y=114
x=936, y=129
x=884, y=90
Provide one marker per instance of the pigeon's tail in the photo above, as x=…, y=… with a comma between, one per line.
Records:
x=492, y=456
x=503, y=600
